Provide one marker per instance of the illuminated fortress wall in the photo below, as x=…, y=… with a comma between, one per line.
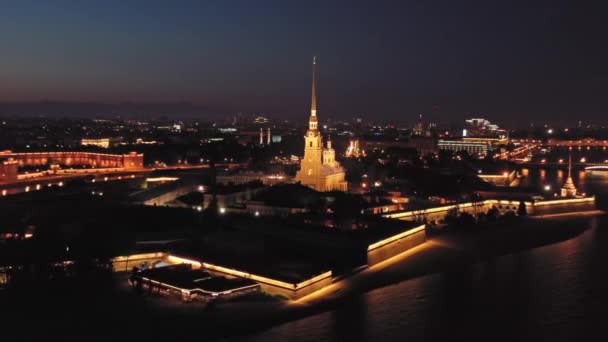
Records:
x=126, y=263
x=268, y=285
x=557, y=206
x=395, y=245
x=132, y=160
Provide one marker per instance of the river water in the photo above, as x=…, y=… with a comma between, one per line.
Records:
x=557, y=292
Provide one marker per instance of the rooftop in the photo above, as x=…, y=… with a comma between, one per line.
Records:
x=184, y=277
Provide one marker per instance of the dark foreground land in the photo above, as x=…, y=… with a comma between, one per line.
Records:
x=100, y=306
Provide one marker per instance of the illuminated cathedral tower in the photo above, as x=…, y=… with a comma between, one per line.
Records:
x=319, y=168
x=569, y=190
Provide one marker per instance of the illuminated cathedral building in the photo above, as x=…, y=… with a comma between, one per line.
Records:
x=569, y=189
x=319, y=168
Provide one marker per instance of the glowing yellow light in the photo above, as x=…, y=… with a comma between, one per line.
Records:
x=161, y=179
x=566, y=201
x=395, y=238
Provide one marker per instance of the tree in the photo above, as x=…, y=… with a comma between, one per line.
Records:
x=521, y=210
x=493, y=214
x=466, y=219
x=477, y=203
x=451, y=216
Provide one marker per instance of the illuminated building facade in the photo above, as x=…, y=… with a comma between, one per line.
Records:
x=471, y=147
x=260, y=120
x=130, y=161
x=353, y=150
x=101, y=142
x=319, y=168
x=480, y=128
x=9, y=170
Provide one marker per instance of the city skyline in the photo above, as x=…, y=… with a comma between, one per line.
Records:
x=508, y=63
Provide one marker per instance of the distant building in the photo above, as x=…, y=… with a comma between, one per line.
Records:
x=260, y=120
x=9, y=170
x=130, y=161
x=100, y=142
x=482, y=128
x=419, y=127
x=423, y=144
x=319, y=168
x=353, y=150
x=471, y=147
x=250, y=176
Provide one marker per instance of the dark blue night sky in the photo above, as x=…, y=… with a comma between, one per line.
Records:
x=511, y=61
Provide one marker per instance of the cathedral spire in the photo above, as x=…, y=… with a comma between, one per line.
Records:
x=313, y=105
x=312, y=123
x=570, y=163
x=569, y=189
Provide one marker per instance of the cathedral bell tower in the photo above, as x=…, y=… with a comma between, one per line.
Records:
x=313, y=150
x=318, y=168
